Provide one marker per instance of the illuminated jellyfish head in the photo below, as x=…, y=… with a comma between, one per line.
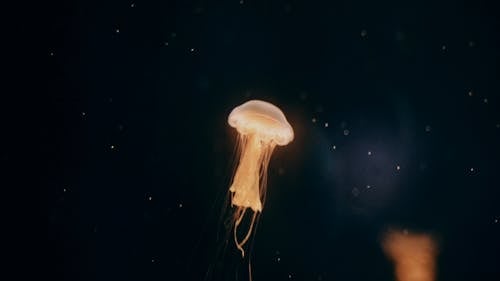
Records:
x=261, y=126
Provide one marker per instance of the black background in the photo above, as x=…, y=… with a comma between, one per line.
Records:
x=135, y=155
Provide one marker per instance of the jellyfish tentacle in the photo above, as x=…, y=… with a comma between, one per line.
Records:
x=240, y=214
x=249, y=233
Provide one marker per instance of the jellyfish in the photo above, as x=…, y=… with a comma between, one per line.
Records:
x=413, y=255
x=261, y=127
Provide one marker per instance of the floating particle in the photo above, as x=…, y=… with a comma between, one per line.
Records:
x=355, y=191
x=281, y=171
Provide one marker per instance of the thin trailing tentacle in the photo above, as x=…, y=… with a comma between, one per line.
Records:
x=249, y=233
x=239, y=215
x=240, y=245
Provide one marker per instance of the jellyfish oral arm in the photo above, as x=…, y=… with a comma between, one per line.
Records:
x=245, y=187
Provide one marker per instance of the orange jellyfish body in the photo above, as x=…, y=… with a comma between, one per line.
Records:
x=413, y=255
x=261, y=126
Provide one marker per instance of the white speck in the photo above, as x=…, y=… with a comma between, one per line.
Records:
x=346, y=132
x=472, y=169
x=152, y=260
x=180, y=205
x=289, y=276
x=470, y=93
x=443, y=47
x=132, y=5
x=398, y=167
x=428, y=128
x=472, y=43
x=117, y=30
x=112, y=146
x=355, y=192
x=165, y=43
x=326, y=125
x=83, y=113
x=278, y=259
x=485, y=100
x=369, y=153
x=191, y=50
x=368, y=186
x=363, y=33
x=241, y=2
x=313, y=120
x=64, y=190
x=51, y=54
x=496, y=220
x=150, y=198
x=334, y=147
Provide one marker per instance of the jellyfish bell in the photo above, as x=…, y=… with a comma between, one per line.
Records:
x=261, y=127
x=264, y=119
